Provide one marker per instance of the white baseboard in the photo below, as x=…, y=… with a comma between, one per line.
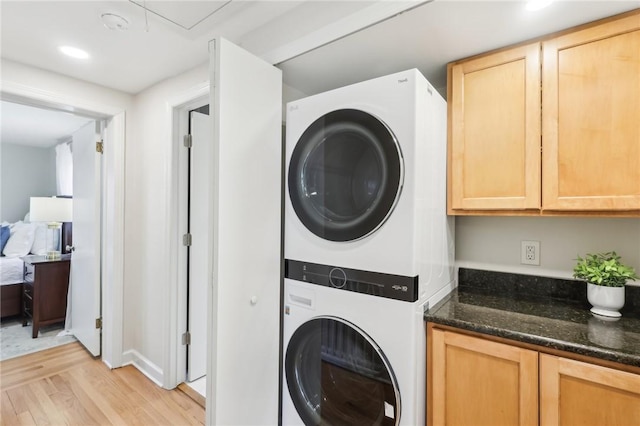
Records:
x=146, y=367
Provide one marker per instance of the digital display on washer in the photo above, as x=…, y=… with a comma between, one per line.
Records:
x=391, y=286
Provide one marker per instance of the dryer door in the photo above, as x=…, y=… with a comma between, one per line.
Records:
x=337, y=375
x=345, y=175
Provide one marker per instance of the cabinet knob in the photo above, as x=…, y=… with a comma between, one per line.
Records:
x=70, y=248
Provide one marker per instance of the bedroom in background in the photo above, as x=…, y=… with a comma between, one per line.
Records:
x=36, y=155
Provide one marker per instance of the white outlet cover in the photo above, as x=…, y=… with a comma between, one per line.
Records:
x=530, y=253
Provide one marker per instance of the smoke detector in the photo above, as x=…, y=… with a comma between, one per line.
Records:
x=114, y=22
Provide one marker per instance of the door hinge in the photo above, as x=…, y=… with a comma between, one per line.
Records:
x=99, y=323
x=100, y=147
x=187, y=141
x=186, y=240
x=186, y=338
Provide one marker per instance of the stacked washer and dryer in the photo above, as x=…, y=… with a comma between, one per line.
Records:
x=368, y=247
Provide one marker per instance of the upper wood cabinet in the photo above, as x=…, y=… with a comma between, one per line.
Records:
x=494, y=112
x=549, y=127
x=591, y=118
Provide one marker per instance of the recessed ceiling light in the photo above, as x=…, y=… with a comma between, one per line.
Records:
x=74, y=52
x=537, y=4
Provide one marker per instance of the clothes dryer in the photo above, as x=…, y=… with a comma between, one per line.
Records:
x=351, y=358
x=366, y=181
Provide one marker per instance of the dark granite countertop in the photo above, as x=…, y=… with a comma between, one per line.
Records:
x=546, y=312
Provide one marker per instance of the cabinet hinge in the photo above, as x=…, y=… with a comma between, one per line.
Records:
x=186, y=240
x=100, y=147
x=99, y=323
x=186, y=338
x=187, y=141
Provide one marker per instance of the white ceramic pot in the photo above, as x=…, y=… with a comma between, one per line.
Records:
x=606, y=301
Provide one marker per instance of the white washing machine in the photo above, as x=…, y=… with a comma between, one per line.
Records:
x=351, y=359
x=366, y=182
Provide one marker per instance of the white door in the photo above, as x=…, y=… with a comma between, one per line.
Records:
x=244, y=344
x=199, y=254
x=85, y=260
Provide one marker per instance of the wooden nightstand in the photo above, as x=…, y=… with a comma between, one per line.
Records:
x=44, y=294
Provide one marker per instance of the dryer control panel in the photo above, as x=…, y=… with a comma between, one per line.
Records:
x=391, y=286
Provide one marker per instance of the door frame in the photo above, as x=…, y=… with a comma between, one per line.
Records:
x=175, y=365
x=112, y=188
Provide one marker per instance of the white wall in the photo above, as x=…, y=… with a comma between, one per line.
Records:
x=493, y=243
x=27, y=171
x=147, y=221
x=66, y=90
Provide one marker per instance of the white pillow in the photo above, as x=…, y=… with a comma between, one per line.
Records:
x=21, y=240
x=39, y=246
x=13, y=226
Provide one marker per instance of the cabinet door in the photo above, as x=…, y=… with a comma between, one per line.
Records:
x=245, y=218
x=576, y=393
x=480, y=382
x=591, y=111
x=494, y=119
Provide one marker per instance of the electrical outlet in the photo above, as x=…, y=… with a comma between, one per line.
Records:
x=530, y=253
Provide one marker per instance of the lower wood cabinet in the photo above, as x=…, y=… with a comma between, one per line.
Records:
x=476, y=381
x=578, y=393
x=479, y=382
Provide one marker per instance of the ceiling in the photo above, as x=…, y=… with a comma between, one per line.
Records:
x=42, y=128
x=166, y=39
x=431, y=35
x=170, y=37
x=319, y=44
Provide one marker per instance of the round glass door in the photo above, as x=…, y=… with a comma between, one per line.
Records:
x=345, y=175
x=337, y=375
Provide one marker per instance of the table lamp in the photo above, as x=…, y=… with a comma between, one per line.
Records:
x=53, y=211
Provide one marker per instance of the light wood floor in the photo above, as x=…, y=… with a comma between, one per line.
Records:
x=67, y=386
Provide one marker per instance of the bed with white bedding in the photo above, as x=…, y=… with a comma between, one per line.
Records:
x=11, y=270
x=20, y=239
x=11, y=277
x=20, y=242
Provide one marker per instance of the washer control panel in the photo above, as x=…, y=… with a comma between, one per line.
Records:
x=391, y=286
x=337, y=277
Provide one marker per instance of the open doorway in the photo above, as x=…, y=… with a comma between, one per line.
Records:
x=199, y=141
x=105, y=316
x=191, y=131
x=37, y=161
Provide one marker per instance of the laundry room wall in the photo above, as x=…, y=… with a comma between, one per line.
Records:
x=147, y=222
x=493, y=243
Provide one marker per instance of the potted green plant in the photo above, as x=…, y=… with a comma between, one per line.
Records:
x=606, y=277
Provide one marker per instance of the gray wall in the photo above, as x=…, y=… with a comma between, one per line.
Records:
x=493, y=243
x=26, y=172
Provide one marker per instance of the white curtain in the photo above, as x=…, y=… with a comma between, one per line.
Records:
x=64, y=169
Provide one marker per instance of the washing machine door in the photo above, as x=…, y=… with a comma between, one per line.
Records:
x=337, y=375
x=345, y=175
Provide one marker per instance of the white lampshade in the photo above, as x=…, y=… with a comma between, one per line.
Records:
x=50, y=209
